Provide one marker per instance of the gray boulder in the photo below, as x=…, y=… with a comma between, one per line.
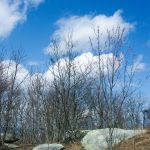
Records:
x=99, y=139
x=49, y=147
x=9, y=138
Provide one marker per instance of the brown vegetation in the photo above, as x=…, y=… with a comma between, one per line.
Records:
x=139, y=142
x=37, y=109
x=76, y=145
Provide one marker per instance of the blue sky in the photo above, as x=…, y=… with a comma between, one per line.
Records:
x=33, y=22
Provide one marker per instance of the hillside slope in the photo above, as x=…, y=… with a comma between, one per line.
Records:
x=139, y=142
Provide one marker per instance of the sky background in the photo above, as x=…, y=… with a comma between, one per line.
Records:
x=29, y=25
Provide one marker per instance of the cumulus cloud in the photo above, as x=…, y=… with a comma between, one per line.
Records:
x=82, y=27
x=86, y=63
x=10, y=70
x=13, y=12
x=138, y=65
x=36, y=79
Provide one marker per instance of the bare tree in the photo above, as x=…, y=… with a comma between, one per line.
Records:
x=69, y=90
x=10, y=98
x=114, y=85
x=98, y=94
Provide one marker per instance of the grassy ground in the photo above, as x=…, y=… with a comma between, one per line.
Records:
x=71, y=146
x=139, y=142
x=27, y=147
x=74, y=146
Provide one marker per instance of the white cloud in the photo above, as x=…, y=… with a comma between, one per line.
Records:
x=13, y=12
x=36, y=2
x=37, y=79
x=82, y=27
x=9, y=71
x=33, y=63
x=138, y=65
x=86, y=64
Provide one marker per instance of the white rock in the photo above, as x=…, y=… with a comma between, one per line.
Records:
x=49, y=147
x=12, y=146
x=97, y=139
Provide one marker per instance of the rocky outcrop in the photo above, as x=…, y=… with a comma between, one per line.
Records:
x=100, y=138
x=9, y=138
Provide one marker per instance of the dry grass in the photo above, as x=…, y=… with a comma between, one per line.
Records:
x=70, y=146
x=74, y=146
x=139, y=142
x=26, y=147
